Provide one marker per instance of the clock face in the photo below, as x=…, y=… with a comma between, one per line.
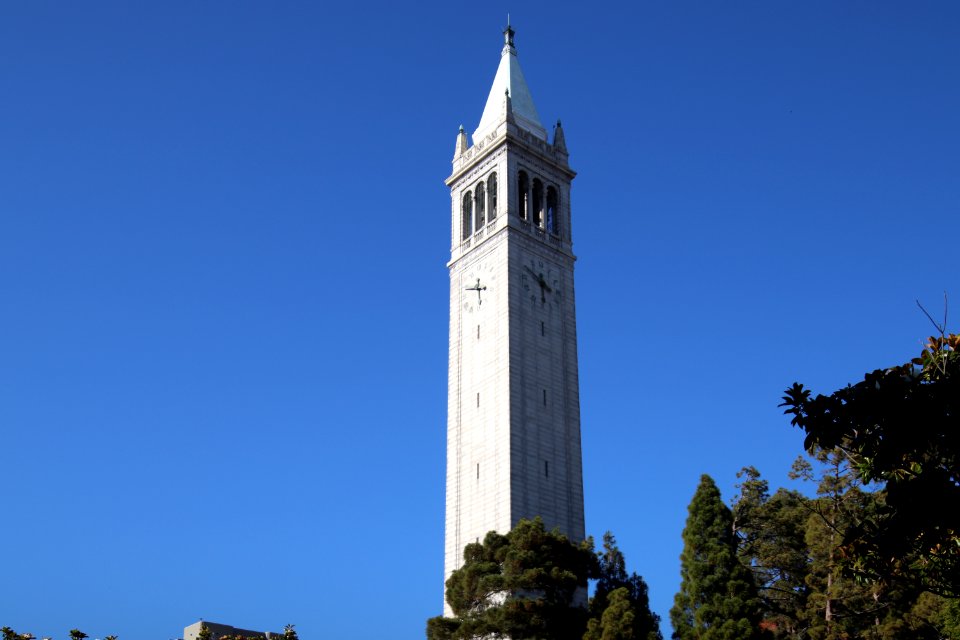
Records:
x=479, y=284
x=540, y=282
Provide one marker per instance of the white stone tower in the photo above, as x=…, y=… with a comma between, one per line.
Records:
x=513, y=426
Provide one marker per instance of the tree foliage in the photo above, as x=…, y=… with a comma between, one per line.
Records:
x=793, y=545
x=771, y=535
x=531, y=583
x=618, y=620
x=717, y=598
x=836, y=606
x=522, y=584
x=626, y=616
x=900, y=428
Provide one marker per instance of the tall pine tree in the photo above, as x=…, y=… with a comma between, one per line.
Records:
x=771, y=534
x=717, y=598
x=626, y=615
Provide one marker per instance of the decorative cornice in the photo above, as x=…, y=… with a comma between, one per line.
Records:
x=503, y=134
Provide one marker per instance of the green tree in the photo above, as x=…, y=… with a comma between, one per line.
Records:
x=771, y=533
x=76, y=634
x=520, y=585
x=717, y=598
x=929, y=619
x=836, y=607
x=839, y=606
x=899, y=427
x=618, y=620
x=289, y=633
x=644, y=624
x=205, y=633
x=949, y=619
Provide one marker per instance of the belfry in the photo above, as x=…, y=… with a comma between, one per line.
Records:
x=513, y=421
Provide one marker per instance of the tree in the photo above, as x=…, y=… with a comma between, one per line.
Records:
x=618, y=620
x=289, y=633
x=950, y=619
x=205, y=633
x=900, y=429
x=836, y=606
x=717, y=598
x=523, y=584
x=771, y=539
x=929, y=618
x=840, y=607
x=76, y=634
x=609, y=619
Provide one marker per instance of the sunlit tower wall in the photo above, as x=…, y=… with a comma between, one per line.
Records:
x=513, y=425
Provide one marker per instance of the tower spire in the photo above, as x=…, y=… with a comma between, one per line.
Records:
x=461, y=143
x=559, y=140
x=510, y=78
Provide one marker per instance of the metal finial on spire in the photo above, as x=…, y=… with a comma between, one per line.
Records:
x=508, y=33
x=509, y=76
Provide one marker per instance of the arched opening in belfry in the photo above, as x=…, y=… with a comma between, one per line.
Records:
x=467, y=217
x=553, y=220
x=538, y=203
x=523, y=198
x=492, y=196
x=481, y=207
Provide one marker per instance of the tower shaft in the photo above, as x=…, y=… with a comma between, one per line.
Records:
x=513, y=426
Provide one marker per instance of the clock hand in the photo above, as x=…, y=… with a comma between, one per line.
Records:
x=477, y=287
x=539, y=278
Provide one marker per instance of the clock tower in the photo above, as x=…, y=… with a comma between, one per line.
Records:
x=513, y=425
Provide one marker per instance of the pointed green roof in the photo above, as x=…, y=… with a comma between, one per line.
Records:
x=509, y=78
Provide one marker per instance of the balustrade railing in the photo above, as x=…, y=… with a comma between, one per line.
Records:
x=526, y=225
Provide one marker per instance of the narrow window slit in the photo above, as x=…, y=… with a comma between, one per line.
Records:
x=538, y=203
x=523, y=195
x=467, y=218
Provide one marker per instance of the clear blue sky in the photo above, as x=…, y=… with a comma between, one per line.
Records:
x=223, y=294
